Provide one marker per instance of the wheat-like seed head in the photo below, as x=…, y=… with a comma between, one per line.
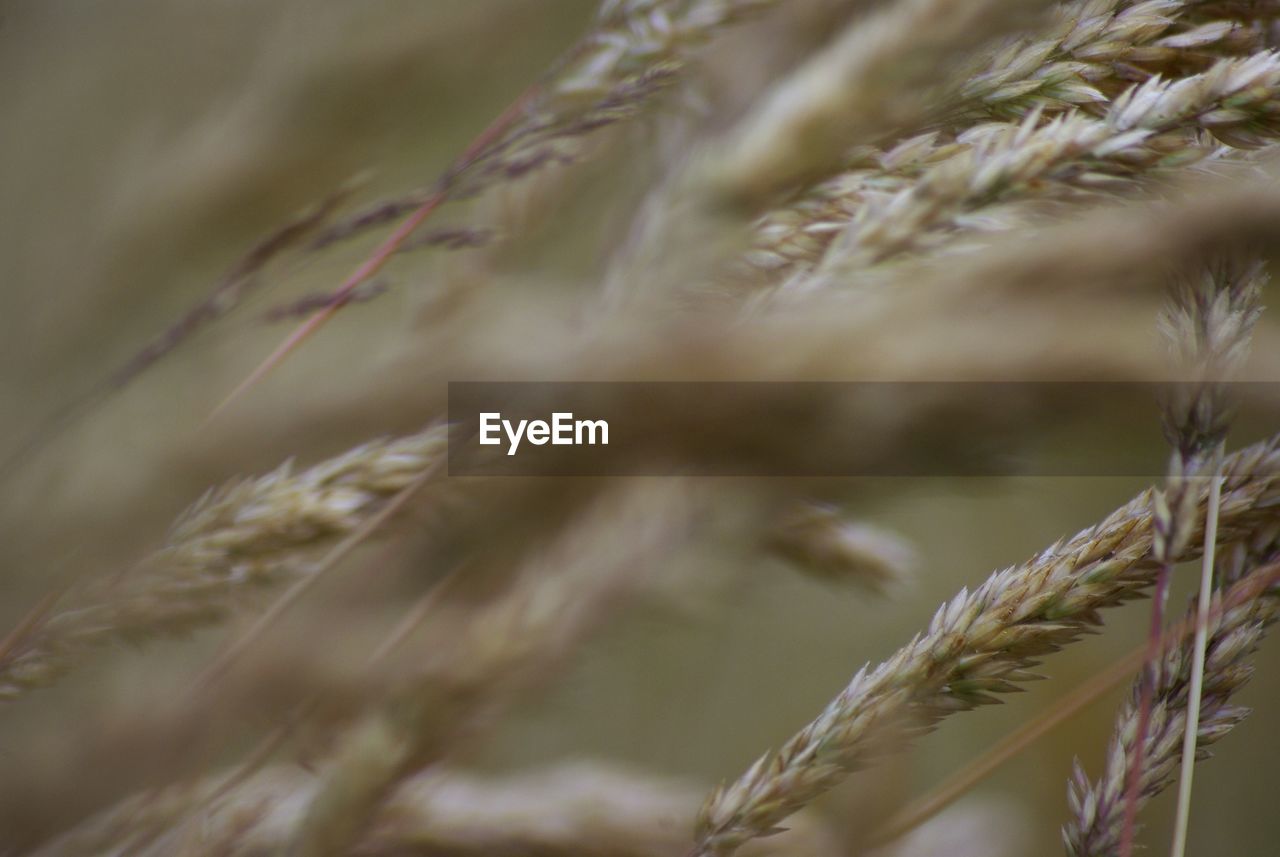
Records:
x=980, y=644
x=1021, y=79
x=1207, y=324
x=246, y=536
x=1097, y=809
x=1234, y=99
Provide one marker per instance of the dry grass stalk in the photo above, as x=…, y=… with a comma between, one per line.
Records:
x=1208, y=326
x=792, y=239
x=572, y=809
x=1056, y=70
x=635, y=49
x=1234, y=100
x=1091, y=46
x=241, y=280
x=980, y=644
x=478, y=667
x=863, y=85
x=1216, y=325
x=1098, y=808
x=959, y=784
x=860, y=86
x=247, y=536
x=1127, y=247
x=1191, y=732
x=1063, y=710
x=1204, y=87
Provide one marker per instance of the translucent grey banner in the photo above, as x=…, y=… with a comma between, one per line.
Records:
x=816, y=429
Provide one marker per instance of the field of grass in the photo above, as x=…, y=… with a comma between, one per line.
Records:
x=246, y=608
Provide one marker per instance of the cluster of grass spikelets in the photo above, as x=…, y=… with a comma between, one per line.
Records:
x=912, y=190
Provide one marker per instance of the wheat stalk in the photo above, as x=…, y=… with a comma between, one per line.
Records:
x=895, y=152
x=1207, y=325
x=789, y=240
x=1098, y=809
x=1082, y=51
x=570, y=809
x=1234, y=100
x=980, y=644
x=503, y=648
x=1054, y=70
x=245, y=537
x=857, y=88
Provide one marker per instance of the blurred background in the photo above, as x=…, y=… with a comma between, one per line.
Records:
x=147, y=144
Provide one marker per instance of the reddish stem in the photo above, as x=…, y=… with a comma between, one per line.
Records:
x=1150, y=677
x=387, y=248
